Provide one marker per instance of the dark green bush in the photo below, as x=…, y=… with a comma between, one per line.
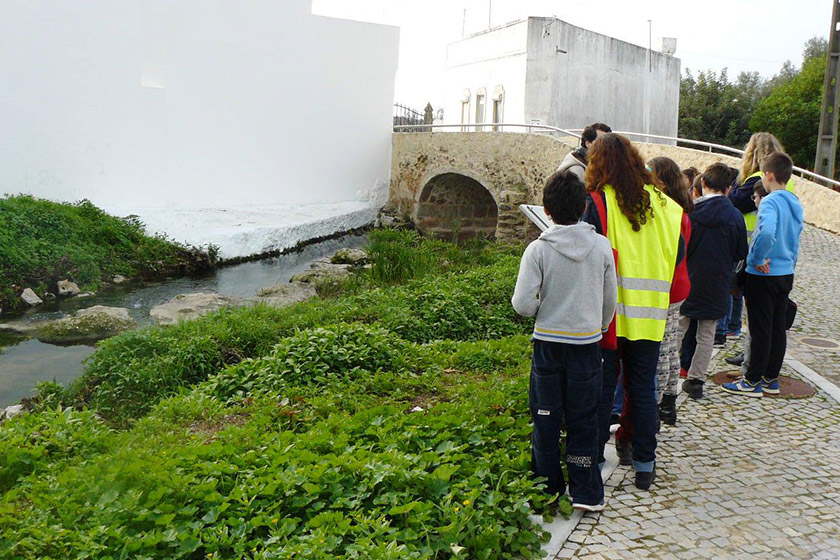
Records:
x=42, y=242
x=316, y=356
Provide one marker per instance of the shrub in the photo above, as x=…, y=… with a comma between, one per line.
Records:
x=315, y=356
x=42, y=242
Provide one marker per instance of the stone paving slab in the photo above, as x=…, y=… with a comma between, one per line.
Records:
x=737, y=478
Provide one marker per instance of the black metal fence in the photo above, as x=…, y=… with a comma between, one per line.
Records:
x=406, y=116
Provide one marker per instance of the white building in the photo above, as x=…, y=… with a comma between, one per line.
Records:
x=546, y=71
x=186, y=103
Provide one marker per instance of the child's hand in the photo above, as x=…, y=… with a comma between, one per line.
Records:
x=764, y=268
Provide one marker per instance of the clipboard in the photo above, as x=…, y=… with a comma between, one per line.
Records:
x=537, y=215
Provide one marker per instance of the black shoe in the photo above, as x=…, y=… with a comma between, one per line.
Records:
x=735, y=360
x=668, y=410
x=625, y=453
x=720, y=341
x=694, y=388
x=645, y=479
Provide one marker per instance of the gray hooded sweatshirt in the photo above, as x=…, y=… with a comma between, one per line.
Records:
x=567, y=280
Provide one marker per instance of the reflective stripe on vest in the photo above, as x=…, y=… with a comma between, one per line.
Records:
x=750, y=218
x=646, y=260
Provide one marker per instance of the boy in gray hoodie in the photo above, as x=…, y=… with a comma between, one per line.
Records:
x=567, y=281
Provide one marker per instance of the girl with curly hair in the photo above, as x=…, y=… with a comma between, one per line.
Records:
x=643, y=226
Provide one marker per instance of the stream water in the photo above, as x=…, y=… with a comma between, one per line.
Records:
x=24, y=362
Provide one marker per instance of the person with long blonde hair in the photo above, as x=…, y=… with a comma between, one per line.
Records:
x=643, y=226
x=760, y=145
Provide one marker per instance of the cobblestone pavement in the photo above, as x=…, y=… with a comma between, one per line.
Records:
x=817, y=291
x=736, y=478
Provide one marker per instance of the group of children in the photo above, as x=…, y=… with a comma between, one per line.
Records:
x=632, y=281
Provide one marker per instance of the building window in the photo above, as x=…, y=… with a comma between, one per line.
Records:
x=480, y=97
x=498, y=106
x=465, y=109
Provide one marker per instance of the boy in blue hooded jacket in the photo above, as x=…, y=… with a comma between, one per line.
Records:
x=774, y=249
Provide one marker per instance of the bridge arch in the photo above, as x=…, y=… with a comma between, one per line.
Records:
x=451, y=204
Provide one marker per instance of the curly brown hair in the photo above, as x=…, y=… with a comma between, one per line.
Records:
x=614, y=161
x=670, y=180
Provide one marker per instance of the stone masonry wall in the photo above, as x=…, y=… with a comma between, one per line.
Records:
x=821, y=204
x=513, y=168
x=452, y=201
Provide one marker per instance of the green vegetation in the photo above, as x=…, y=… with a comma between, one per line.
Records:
x=715, y=109
x=42, y=242
x=389, y=421
x=792, y=112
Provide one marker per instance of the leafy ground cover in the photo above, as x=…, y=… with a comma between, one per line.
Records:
x=42, y=242
x=341, y=428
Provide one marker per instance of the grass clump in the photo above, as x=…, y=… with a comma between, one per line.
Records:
x=42, y=242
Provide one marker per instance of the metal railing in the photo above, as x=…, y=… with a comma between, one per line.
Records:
x=473, y=127
x=575, y=132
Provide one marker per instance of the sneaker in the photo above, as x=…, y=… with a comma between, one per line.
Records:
x=734, y=334
x=770, y=386
x=683, y=373
x=668, y=410
x=645, y=479
x=694, y=388
x=720, y=341
x=588, y=507
x=624, y=452
x=735, y=360
x=743, y=387
x=614, y=423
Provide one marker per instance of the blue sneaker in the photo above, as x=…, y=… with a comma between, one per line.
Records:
x=770, y=386
x=744, y=387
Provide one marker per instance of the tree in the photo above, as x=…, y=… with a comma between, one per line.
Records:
x=791, y=111
x=716, y=110
x=815, y=47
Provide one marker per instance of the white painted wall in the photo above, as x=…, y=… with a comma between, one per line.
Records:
x=189, y=103
x=487, y=60
x=597, y=78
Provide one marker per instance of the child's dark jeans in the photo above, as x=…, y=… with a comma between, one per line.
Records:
x=566, y=384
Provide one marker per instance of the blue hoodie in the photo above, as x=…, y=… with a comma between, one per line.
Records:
x=776, y=235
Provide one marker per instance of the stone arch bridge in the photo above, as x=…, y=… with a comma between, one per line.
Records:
x=470, y=184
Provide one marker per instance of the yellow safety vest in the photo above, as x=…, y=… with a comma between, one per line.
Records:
x=751, y=217
x=646, y=260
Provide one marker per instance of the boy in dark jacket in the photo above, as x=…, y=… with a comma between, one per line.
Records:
x=718, y=241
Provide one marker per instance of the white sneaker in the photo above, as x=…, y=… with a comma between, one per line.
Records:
x=589, y=507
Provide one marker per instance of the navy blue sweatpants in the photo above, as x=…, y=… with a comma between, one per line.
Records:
x=566, y=385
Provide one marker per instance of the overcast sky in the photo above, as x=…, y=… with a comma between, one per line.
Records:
x=751, y=35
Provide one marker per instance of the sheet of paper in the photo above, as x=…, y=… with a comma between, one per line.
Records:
x=537, y=215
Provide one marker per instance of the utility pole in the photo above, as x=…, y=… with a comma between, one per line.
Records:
x=489, y=14
x=827, y=138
